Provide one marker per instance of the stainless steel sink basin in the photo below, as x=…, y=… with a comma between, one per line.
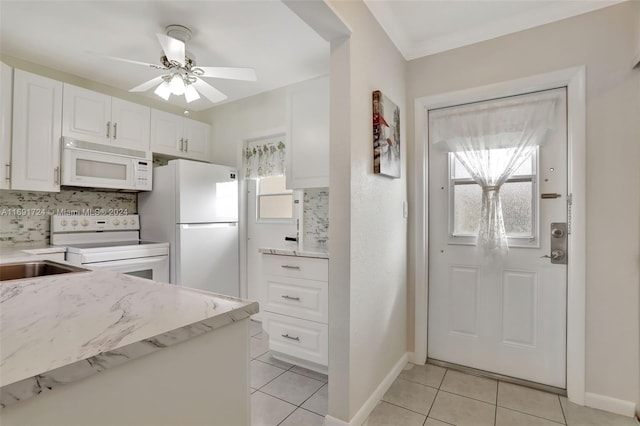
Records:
x=35, y=268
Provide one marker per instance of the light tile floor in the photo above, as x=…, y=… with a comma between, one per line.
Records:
x=423, y=395
x=282, y=393
x=434, y=396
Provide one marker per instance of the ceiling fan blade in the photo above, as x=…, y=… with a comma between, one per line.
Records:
x=130, y=61
x=209, y=92
x=147, y=84
x=247, y=74
x=173, y=48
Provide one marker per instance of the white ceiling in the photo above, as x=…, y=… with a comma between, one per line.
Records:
x=424, y=27
x=262, y=34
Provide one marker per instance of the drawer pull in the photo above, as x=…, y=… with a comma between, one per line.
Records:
x=286, y=336
x=290, y=298
x=297, y=268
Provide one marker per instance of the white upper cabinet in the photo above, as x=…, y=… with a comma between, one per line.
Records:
x=99, y=118
x=6, y=74
x=37, y=117
x=178, y=136
x=196, y=134
x=308, y=150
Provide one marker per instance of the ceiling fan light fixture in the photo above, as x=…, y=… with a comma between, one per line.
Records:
x=163, y=90
x=177, y=85
x=191, y=94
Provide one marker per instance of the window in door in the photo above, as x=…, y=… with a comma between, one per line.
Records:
x=275, y=201
x=519, y=204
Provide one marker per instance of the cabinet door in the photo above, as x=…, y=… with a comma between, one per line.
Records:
x=131, y=124
x=196, y=135
x=6, y=74
x=308, y=150
x=166, y=133
x=37, y=114
x=86, y=115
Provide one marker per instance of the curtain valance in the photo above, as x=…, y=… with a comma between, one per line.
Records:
x=265, y=157
x=499, y=123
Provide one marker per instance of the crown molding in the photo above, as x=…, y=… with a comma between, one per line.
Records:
x=413, y=49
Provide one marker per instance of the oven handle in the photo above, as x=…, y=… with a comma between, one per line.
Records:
x=140, y=261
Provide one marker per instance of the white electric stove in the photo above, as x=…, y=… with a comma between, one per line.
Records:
x=110, y=242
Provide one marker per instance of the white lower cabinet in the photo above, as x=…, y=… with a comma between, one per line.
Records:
x=298, y=338
x=296, y=309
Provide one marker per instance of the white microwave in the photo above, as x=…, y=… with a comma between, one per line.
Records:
x=104, y=166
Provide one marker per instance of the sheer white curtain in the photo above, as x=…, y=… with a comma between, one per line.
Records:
x=491, y=140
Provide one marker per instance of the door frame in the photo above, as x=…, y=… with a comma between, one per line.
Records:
x=574, y=79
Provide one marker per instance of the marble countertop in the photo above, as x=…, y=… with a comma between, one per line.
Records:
x=60, y=328
x=296, y=251
x=18, y=252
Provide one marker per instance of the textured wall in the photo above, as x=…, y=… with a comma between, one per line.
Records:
x=315, y=217
x=25, y=216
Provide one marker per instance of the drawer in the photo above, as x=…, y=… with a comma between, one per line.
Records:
x=298, y=338
x=295, y=267
x=306, y=299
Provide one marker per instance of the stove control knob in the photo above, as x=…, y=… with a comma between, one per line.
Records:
x=124, y=222
x=74, y=222
x=116, y=222
x=133, y=221
x=63, y=222
x=84, y=222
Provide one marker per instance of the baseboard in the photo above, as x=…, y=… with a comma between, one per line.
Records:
x=371, y=403
x=411, y=357
x=332, y=421
x=612, y=405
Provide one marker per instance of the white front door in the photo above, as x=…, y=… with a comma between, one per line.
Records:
x=508, y=315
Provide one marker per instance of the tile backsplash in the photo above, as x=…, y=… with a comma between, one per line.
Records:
x=25, y=216
x=315, y=218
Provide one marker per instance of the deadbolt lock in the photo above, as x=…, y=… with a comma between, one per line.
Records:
x=558, y=247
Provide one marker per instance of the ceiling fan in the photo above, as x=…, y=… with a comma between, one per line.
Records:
x=183, y=77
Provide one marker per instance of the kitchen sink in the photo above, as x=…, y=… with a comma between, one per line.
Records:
x=34, y=269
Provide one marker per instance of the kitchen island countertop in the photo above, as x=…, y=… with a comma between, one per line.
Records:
x=58, y=329
x=296, y=251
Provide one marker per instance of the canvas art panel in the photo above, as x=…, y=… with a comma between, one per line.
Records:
x=386, y=136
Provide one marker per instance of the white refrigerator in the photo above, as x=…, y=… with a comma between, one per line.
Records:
x=194, y=206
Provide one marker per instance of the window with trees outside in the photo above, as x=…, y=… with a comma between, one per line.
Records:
x=518, y=197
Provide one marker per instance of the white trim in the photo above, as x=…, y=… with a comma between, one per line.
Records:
x=612, y=405
x=375, y=397
x=574, y=79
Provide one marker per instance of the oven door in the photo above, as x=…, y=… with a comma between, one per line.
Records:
x=154, y=268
